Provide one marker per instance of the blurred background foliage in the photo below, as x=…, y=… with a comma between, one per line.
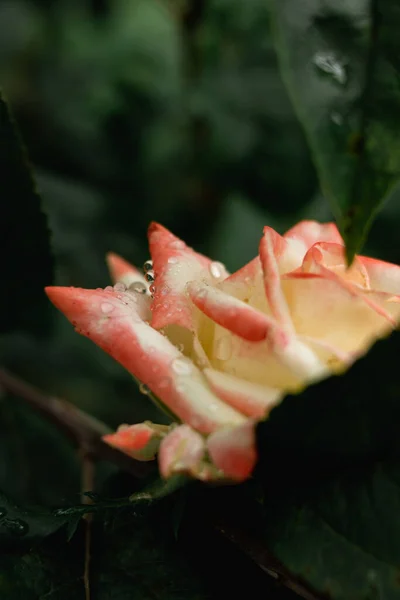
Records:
x=139, y=110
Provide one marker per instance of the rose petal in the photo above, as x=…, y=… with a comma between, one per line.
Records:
x=181, y=451
x=332, y=257
x=311, y=232
x=272, y=249
x=174, y=265
x=232, y=314
x=123, y=272
x=140, y=441
x=282, y=362
x=355, y=279
x=233, y=450
x=249, y=398
x=326, y=308
x=383, y=276
x=113, y=322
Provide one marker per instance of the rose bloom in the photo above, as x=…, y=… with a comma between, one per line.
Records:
x=220, y=350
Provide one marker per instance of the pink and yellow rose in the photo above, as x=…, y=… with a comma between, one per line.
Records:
x=220, y=350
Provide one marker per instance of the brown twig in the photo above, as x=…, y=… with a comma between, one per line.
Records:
x=83, y=430
x=87, y=485
x=258, y=553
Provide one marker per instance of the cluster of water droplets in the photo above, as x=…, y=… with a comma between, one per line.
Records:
x=149, y=276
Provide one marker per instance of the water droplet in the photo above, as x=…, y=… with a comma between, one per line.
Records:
x=217, y=270
x=337, y=118
x=164, y=382
x=200, y=294
x=223, y=348
x=144, y=389
x=62, y=512
x=109, y=288
x=329, y=63
x=138, y=287
x=178, y=244
x=182, y=366
x=16, y=526
x=148, y=265
x=3, y=513
x=152, y=289
x=106, y=308
x=119, y=287
x=150, y=276
x=172, y=260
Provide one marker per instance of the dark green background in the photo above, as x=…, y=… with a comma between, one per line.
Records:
x=131, y=111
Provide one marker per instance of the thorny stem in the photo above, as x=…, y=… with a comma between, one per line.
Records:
x=86, y=431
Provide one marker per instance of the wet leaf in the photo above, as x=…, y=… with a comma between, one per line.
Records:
x=331, y=457
x=340, y=64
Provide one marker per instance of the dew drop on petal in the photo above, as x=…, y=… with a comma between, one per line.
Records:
x=106, y=308
x=138, y=287
x=144, y=389
x=148, y=265
x=164, y=382
x=119, y=287
x=149, y=276
x=181, y=366
x=223, y=348
x=178, y=244
x=173, y=260
x=217, y=270
x=152, y=289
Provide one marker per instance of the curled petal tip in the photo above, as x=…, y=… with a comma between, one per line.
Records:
x=122, y=271
x=140, y=441
x=182, y=451
x=233, y=450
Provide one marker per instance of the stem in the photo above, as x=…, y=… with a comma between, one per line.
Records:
x=82, y=429
x=87, y=486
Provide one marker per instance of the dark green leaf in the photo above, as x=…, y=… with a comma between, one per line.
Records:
x=341, y=66
x=332, y=473
x=27, y=264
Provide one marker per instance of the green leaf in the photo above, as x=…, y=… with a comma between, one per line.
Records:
x=27, y=264
x=133, y=556
x=332, y=474
x=341, y=66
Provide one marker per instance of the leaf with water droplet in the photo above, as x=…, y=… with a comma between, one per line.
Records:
x=28, y=523
x=338, y=62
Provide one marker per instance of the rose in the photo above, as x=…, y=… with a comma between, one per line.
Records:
x=219, y=350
